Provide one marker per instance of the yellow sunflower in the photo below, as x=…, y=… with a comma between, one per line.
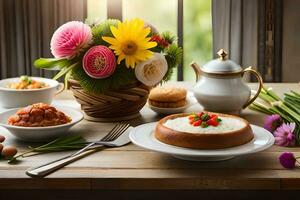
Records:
x=130, y=42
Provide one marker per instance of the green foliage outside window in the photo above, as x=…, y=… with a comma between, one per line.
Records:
x=163, y=15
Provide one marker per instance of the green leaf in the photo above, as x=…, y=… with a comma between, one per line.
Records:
x=64, y=71
x=67, y=77
x=48, y=63
x=103, y=29
x=169, y=37
x=173, y=56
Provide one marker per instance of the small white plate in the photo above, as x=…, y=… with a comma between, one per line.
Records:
x=143, y=136
x=190, y=100
x=40, y=134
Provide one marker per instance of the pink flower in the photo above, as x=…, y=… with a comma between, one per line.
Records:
x=284, y=135
x=99, y=62
x=272, y=122
x=287, y=160
x=70, y=39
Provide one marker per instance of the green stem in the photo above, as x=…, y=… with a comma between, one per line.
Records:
x=296, y=94
x=65, y=70
x=266, y=98
x=295, y=104
x=292, y=97
x=282, y=114
x=58, y=148
x=255, y=108
x=271, y=93
x=290, y=112
x=59, y=144
x=292, y=107
x=260, y=107
x=20, y=155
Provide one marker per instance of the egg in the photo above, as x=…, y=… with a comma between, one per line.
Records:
x=2, y=138
x=9, y=151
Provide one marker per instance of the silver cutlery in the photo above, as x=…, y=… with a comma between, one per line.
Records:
x=118, y=136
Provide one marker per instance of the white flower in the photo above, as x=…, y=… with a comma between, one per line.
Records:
x=152, y=71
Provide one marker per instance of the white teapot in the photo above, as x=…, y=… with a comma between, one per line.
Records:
x=220, y=87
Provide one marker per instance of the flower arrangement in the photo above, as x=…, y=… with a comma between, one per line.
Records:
x=283, y=118
x=112, y=54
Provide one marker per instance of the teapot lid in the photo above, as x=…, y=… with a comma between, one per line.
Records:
x=221, y=65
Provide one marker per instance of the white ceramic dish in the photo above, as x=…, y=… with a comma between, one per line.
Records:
x=143, y=136
x=40, y=134
x=14, y=98
x=190, y=100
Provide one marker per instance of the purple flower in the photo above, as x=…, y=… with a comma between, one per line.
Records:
x=284, y=135
x=287, y=160
x=272, y=122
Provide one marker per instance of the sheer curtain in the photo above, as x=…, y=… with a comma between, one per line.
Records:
x=26, y=27
x=235, y=25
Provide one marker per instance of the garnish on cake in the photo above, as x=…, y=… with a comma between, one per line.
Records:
x=204, y=119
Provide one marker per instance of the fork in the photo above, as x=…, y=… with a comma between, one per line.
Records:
x=115, y=138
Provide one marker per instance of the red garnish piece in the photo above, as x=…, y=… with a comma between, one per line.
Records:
x=213, y=115
x=200, y=114
x=204, y=119
x=197, y=123
x=213, y=121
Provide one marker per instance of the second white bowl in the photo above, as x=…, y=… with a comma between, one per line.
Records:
x=40, y=134
x=14, y=98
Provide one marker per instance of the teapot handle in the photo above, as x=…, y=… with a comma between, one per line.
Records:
x=260, y=81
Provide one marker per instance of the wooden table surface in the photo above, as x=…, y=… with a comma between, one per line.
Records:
x=131, y=167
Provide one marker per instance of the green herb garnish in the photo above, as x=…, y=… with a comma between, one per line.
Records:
x=26, y=79
x=204, y=124
x=205, y=117
x=66, y=143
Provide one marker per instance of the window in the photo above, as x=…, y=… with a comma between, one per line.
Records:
x=197, y=24
x=97, y=10
x=197, y=38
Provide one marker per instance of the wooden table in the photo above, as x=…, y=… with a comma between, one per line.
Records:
x=132, y=168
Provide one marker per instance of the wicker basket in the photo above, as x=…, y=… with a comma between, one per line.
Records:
x=117, y=105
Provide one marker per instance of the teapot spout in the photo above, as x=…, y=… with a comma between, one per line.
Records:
x=197, y=70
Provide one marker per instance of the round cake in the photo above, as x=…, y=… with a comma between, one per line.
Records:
x=167, y=97
x=203, y=130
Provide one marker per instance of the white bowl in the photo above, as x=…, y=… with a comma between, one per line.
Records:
x=14, y=98
x=40, y=134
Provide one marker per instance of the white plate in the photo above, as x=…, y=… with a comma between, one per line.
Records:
x=40, y=134
x=143, y=136
x=190, y=100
